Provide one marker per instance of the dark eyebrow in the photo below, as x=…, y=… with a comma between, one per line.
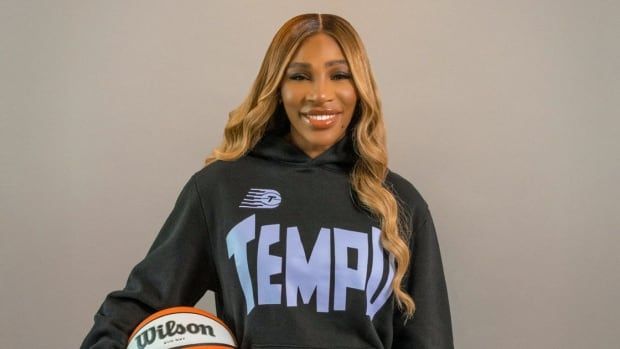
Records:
x=327, y=64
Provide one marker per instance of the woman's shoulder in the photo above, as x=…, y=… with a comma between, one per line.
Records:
x=407, y=192
x=218, y=170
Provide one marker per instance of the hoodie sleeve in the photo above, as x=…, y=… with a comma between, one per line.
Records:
x=431, y=325
x=177, y=270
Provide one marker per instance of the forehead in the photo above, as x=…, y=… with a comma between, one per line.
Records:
x=319, y=47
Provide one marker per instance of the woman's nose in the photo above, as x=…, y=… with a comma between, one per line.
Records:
x=320, y=92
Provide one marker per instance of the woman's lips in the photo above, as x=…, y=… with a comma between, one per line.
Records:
x=320, y=121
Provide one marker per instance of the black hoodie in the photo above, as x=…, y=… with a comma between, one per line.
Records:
x=293, y=261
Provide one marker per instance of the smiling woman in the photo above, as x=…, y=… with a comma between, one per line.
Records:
x=306, y=237
x=318, y=94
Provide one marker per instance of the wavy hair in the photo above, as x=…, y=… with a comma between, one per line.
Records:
x=259, y=111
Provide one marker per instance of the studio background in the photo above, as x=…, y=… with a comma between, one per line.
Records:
x=503, y=114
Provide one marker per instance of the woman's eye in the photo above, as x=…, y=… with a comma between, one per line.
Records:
x=340, y=76
x=297, y=77
x=337, y=76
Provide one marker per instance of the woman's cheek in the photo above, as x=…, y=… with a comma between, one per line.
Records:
x=291, y=93
x=348, y=96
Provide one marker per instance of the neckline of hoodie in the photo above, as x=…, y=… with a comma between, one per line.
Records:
x=273, y=146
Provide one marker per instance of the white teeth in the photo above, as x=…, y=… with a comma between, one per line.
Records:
x=321, y=117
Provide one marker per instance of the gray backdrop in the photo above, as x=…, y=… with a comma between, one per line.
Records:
x=503, y=114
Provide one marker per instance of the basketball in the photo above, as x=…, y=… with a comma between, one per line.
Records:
x=182, y=327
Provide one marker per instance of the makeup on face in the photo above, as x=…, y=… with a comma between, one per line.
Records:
x=318, y=94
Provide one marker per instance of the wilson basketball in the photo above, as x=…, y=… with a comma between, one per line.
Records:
x=182, y=327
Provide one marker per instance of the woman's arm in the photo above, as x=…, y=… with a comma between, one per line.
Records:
x=176, y=271
x=431, y=325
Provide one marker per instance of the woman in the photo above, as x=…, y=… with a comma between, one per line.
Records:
x=306, y=237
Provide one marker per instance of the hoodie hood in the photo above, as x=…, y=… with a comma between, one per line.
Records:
x=274, y=146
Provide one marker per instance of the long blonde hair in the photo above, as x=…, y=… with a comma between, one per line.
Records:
x=249, y=121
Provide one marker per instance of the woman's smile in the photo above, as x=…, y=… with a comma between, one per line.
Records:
x=321, y=119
